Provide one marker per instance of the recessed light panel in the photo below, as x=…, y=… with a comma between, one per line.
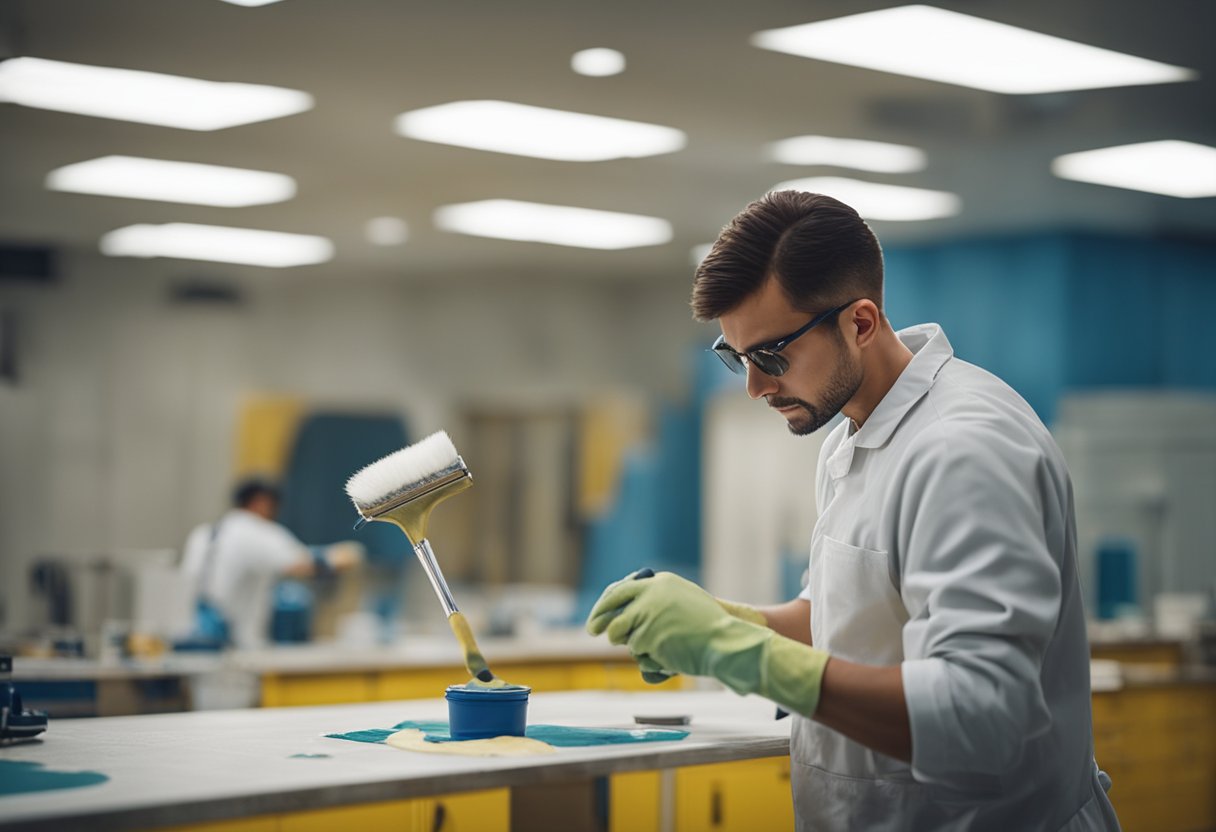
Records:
x=144, y=97
x=1169, y=167
x=187, y=182
x=874, y=201
x=940, y=45
x=220, y=244
x=598, y=62
x=509, y=219
x=386, y=231
x=524, y=130
x=859, y=154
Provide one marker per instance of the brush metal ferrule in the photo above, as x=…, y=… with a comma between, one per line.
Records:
x=453, y=473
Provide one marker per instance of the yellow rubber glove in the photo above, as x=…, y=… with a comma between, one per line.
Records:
x=683, y=628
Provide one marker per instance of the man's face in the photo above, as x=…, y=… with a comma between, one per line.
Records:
x=823, y=375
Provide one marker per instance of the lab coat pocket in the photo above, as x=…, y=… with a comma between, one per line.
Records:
x=856, y=612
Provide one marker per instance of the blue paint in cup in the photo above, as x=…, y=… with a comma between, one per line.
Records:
x=476, y=713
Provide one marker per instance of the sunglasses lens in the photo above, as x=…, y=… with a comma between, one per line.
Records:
x=769, y=363
x=731, y=359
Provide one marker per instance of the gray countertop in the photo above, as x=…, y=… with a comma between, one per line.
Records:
x=422, y=651
x=199, y=767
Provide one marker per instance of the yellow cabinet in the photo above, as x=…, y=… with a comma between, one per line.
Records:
x=291, y=690
x=487, y=811
x=420, y=683
x=735, y=797
x=635, y=802
x=1158, y=744
x=390, y=816
x=266, y=823
x=483, y=811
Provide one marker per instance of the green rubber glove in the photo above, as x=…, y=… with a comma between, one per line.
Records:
x=683, y=628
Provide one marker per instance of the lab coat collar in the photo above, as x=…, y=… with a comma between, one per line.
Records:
x=931, y=350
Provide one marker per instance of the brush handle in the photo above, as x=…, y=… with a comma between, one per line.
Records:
x=431, y=567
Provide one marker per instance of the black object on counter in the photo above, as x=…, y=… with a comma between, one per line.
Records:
x=16, y=722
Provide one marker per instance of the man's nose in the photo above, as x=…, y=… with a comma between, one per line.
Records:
x=759, y=384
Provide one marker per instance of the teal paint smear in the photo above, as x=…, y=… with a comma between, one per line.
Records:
x=309, y=757
x=561, y=736
x=22, y=777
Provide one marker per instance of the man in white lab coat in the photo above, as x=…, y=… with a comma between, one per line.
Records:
x=936, y=664
x=235, y=562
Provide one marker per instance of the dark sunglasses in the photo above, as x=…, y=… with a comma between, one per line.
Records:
x=767, y=358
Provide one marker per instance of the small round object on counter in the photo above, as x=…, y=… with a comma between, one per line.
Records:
x=669, y=719
x=476, y=713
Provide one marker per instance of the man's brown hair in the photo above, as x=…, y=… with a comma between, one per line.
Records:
x=821, y=252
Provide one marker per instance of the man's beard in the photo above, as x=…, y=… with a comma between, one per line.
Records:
x=841, y=387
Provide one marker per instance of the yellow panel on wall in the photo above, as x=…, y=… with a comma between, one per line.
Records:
x=608, y=429
x=265, y=431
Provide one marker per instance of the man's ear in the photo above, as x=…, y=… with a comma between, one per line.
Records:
x=867, y=321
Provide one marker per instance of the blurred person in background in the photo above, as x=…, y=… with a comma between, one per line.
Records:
x=235, y=562
x=937, y=663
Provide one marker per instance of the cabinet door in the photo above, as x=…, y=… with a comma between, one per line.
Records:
x=390, y=816
x=316, y=689
x=634, y=802
x=420, y=683
x=735, y=797
x=485, y=811
x=266, y=823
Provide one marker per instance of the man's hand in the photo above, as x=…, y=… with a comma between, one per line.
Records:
x=665, y=617
x=680, y=627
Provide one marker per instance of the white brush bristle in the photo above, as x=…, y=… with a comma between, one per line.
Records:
x=401, y=470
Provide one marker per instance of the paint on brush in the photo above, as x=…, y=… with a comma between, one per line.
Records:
x=473, y=660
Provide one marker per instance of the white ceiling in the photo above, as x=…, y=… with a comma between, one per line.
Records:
x=690, y=67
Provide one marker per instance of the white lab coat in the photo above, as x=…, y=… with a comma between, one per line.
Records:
x=249, y=554
x=946, y=544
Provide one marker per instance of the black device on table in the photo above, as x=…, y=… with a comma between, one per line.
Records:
x=16, y=721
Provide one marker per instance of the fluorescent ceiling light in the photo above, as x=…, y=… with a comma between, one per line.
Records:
x=507, y=127
x=880, y=202
x=217, y=243
x=251, y=2
x=1173, y=168
x=860, y=154
x=189, y=182
x=598, y=62
x=926, y=42
x=144, y=97
x=386, y=231
x=509, y=219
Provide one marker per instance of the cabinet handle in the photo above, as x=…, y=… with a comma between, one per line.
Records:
x=715, y=807
x=437, y=820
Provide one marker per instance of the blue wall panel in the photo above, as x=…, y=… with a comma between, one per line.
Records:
x=1048, y=313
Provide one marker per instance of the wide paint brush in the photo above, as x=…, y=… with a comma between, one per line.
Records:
x=403, y=488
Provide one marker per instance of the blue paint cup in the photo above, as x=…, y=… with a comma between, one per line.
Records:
x=479, y=713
